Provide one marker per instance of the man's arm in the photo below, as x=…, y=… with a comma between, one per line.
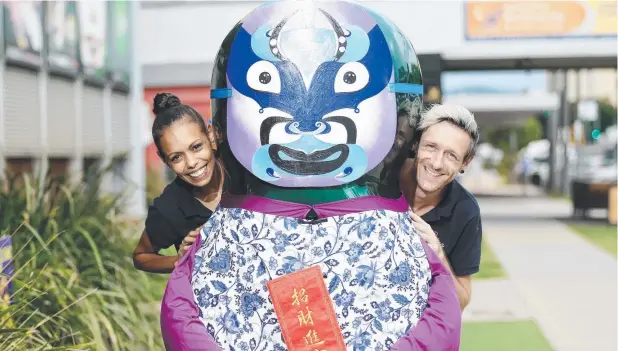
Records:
x=466, y=255
x=466, y=258
x=463, y=284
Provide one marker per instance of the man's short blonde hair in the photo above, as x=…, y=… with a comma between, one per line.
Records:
x=455, y=114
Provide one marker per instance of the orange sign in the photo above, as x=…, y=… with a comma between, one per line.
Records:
x=305, y=311
x=540, y=19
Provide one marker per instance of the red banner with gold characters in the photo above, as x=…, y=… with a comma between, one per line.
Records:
x=305, y=311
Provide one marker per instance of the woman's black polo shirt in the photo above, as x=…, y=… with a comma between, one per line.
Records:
x=457, y=220
x=174, y=214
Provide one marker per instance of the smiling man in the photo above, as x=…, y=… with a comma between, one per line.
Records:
x=446, y=214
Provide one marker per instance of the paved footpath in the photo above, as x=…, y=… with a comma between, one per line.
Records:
x=496, y=300
x=564, y=282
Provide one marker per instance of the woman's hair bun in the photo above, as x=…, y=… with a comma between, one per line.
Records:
x=163, y=101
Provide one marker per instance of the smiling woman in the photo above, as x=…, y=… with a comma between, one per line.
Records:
x=185, y=144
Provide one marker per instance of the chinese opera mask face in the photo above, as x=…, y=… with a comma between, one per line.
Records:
x=312, y=93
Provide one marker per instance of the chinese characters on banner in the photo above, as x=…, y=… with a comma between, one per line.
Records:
x=304, y=318
x=305, y=312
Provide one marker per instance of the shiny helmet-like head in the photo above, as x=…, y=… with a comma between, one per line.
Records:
x=314, y=94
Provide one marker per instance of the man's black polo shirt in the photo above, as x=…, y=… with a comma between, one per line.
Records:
x=457, y=220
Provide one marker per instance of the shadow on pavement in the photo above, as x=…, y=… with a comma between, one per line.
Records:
x=508, y=196
x=586, y=221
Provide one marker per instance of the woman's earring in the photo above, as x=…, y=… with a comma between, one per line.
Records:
x=462, y=171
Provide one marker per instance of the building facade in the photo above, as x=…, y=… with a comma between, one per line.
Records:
x=597, y=84
x=67, y=98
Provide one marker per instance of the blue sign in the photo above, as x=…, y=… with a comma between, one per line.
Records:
x=6, y=274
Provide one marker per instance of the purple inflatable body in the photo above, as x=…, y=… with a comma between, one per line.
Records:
x=438, y=329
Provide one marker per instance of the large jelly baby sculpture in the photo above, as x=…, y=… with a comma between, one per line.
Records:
x=312, y=248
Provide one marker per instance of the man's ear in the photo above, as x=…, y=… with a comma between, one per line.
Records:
x=467, y=161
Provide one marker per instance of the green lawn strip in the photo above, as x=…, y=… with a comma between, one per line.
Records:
x=601, y=235
x=490, y=266
x=503, y=336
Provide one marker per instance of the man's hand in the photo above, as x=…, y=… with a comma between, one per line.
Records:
x=463, y=284
x=427, y=234
x=186, y=243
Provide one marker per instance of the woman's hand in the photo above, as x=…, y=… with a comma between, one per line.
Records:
x=186, y=243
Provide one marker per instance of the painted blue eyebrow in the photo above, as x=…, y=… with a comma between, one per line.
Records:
x=405, y=88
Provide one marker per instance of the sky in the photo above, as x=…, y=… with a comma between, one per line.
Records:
x=493, y=82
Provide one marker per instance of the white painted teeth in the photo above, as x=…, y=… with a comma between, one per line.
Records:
x=433, y=173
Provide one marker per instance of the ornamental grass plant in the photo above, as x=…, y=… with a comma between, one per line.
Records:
x=74, y=286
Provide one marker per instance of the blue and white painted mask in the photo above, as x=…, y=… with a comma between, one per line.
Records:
x=313, y=93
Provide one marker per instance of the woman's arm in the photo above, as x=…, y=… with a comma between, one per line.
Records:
x=145, y=257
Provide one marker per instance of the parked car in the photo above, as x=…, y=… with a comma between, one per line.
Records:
x=532, y=165
x=596, y=173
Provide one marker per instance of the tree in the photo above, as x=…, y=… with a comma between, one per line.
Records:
x=499, y=137
x=607, y=114
x=528, y=131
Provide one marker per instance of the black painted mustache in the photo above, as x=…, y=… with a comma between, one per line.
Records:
x=308, y=164
x=270, y=122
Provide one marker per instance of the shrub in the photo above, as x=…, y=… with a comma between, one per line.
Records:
x=75, y=286
x=154, y=185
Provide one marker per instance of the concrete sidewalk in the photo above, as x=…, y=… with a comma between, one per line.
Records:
x=495, y=300
x=566, y=284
